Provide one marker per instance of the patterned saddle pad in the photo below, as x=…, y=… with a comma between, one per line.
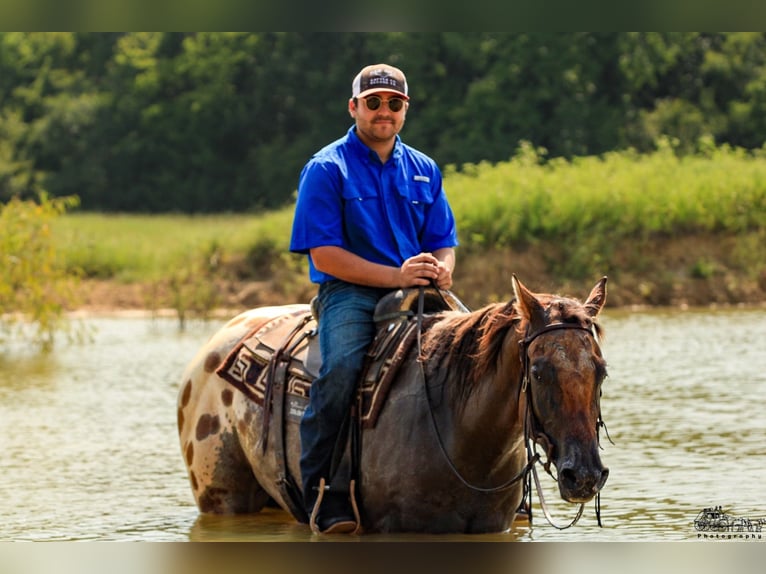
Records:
x=247, y=365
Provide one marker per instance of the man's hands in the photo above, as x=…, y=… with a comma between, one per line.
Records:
x=424, y=268
x=418, y=270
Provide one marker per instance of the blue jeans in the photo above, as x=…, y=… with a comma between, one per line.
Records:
x=346, y=329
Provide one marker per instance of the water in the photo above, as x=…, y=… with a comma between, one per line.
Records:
x=89, y=449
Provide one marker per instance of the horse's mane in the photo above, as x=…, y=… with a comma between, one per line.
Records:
x=467, y=346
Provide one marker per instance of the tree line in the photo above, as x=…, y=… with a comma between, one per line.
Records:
x=209, y=122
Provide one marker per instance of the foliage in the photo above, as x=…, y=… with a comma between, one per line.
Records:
x=35, y=287
x=584, y=206
x=193, y=286
x=154, y=122
x=618, y=194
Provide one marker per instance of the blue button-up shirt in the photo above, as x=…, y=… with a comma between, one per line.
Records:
x=384, y=213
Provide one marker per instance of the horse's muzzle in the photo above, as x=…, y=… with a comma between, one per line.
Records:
x=579, y=483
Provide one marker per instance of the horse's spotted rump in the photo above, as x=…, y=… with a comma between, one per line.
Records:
x=190, y=453
x=181, y=419
x=193, y=480
x=207, y=425
x=227, y=397
x=212, y=361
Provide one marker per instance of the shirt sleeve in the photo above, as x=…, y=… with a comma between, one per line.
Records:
x=440, y=229
x=318, y=218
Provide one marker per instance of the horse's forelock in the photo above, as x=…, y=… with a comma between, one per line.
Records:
x=567, y=310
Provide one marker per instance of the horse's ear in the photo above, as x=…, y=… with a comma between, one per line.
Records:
x=528, y=305
x=597, y=298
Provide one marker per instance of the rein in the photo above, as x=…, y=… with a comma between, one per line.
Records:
x=530, y=427
x=530, y=460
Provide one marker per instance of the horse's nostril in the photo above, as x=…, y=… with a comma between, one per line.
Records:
x=568, y=476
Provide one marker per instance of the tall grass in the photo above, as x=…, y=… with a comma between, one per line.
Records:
x=616, y=195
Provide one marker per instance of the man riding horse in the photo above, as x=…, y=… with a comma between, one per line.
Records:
x=452, y=443
x=372, y=217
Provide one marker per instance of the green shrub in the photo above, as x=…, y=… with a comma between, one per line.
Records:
x=35, y=287
x=616, y=195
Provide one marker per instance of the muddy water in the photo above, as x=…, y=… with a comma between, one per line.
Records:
x=88, y=445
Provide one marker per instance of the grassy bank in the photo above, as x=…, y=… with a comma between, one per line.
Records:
x=666, y=230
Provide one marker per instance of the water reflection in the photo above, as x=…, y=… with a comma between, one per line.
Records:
x=89, y=448
x=274, y=525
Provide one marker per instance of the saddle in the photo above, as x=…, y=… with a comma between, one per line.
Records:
x=396, y=332
x=277, y=361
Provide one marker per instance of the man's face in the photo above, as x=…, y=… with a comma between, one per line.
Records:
x=381, y=124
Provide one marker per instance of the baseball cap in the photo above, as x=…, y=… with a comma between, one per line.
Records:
x=379, y=78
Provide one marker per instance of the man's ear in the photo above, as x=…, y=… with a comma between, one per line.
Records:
x=351, y=107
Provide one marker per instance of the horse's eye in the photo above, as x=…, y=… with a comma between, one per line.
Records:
x=537, y=373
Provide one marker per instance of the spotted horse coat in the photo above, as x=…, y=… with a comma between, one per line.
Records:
x=217, y=426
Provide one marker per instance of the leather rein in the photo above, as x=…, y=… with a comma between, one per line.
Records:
x=531, y=427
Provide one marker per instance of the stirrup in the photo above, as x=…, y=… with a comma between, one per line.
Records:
x=315, y=511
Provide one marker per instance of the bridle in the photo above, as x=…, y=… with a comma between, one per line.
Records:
x=531, y=427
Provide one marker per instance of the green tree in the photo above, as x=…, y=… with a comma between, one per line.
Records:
x=735, y=76
x=46, y=114
x=204, y=122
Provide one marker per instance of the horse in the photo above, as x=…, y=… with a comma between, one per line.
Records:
x=455, y=440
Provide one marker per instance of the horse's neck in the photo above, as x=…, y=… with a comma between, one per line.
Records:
x=484, y=409
x=496, y=395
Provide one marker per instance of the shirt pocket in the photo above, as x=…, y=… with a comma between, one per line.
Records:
x=354, y=192
x=362, y=210
x=417, y=194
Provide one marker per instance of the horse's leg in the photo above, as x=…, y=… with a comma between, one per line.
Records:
x=221, y=477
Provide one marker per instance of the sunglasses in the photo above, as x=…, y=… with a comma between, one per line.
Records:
x=374, y=102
